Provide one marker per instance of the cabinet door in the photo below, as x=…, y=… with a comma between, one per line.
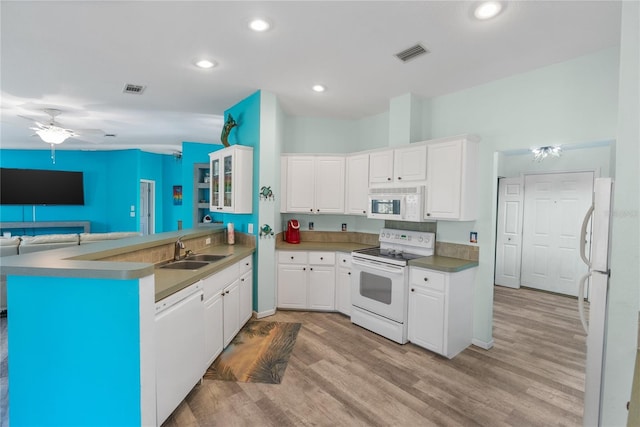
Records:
x=231, y=310
x=246, y=297
x=215, y=194
x=357, y=185
x=300, y=184
x=381, y=167
x=410, y=164
x=426, y=318
x=343, y=291
x=228, y=178
x=292, y=286
x=213, y=319
x=322, y=285
x=329, y=185
x=444, y=180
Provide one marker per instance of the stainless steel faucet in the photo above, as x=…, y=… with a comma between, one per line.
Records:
x=178, y=245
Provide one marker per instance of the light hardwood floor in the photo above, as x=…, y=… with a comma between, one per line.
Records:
x=341, y=374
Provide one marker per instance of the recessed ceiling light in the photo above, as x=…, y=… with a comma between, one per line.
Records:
x=205, y=63
x=487, y=10
x=259, y=25
x=319, y=88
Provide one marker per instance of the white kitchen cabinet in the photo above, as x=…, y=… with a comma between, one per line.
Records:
x=231, y=311
x=357, y=184
x=246, y=290
x=400, y=165
x=313, y=184
x=343, y=284
x=452, y=180
x=213, y=336
x=306, y=280
x=441, y=310
x=231, y=175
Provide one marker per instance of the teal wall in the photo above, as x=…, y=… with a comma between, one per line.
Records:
x=66, y=342
x=246, y=113
x=111, y=183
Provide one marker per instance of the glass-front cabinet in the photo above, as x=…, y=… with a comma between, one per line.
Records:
x=231, y=179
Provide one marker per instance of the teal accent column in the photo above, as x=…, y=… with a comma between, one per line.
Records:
x=75, y=352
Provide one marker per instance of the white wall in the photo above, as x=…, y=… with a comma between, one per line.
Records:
x=319, y=135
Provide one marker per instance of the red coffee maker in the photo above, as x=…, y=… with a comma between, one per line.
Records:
x=292, y=234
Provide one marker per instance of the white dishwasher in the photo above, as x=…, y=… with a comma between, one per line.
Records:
x=179, y=327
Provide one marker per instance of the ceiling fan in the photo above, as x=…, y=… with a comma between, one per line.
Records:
x=52, y=133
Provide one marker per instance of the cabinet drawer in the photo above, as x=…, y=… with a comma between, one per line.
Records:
x=322, y=258
x=246, y=264
x=427, y=279
x=218, y=281
x=344, y=260
x=292, y=257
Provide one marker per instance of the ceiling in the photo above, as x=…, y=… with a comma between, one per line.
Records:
x=78, y=56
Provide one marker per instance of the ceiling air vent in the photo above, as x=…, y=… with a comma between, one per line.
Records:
x=134, y=89
x=412, y=52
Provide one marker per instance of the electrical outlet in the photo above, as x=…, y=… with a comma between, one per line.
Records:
x=207, y=241
x=250, y=228
x=132, y=214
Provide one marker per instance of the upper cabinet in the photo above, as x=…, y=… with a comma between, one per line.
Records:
x=231, y=175
x=400, y=165
x=313, y=184
x=357, y=184
x=452, y=176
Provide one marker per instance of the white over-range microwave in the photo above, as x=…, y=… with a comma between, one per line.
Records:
x=396, y=203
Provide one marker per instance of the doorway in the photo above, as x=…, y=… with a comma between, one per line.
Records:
x=538, y=230
x=147, y=206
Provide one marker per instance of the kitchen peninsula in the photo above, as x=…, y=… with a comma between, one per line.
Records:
x=81, y=324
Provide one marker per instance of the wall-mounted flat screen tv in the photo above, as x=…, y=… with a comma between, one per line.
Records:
x=40, y=187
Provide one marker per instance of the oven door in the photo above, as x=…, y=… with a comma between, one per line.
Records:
x=379, y=288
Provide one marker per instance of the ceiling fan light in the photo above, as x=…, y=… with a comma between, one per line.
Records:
x=53, y=135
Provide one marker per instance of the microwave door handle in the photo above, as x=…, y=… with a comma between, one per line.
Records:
x=583, y=236
x=403, y=207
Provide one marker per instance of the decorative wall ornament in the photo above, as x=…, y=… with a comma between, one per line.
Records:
x=266, y=193
x=266, y=231
x=226, y=129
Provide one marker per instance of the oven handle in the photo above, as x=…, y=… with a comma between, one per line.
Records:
x=378, y=266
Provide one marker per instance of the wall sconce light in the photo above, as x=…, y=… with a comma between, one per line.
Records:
x=540, y=153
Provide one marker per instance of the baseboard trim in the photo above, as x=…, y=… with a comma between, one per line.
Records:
x=267, y=313
x=482, y=344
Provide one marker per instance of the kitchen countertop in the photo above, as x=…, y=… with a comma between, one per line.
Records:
x=169, y=281
x=84, y=261
x=443, y=263
x=436, y=262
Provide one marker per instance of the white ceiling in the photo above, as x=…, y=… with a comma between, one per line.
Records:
x=77, y=56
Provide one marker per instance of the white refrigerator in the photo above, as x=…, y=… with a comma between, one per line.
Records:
x=599, y=216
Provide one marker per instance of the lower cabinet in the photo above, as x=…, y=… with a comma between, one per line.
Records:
x=343, y=284
x=441, y=310
x=193, y=326
x=306, y=280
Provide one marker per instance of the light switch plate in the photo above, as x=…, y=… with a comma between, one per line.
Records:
x=207, y=241
x=250, y=228
x=132, y=214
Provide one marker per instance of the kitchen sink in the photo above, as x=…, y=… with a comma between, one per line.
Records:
x=205, y=257
x=185, y=265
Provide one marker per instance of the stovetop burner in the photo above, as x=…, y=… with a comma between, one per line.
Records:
x=399, y=246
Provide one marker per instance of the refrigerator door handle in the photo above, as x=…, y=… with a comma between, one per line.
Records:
x=581, y=286
x=583, y=236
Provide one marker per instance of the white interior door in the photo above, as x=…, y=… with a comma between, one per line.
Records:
x=147, y=207
x=554, y=206
x=509, y=234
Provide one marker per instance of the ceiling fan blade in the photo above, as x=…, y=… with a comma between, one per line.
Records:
x=99, y=132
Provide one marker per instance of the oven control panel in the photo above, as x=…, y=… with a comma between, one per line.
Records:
x=416, y=239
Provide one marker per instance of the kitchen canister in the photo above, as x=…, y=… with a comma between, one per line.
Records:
x=231, y=238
